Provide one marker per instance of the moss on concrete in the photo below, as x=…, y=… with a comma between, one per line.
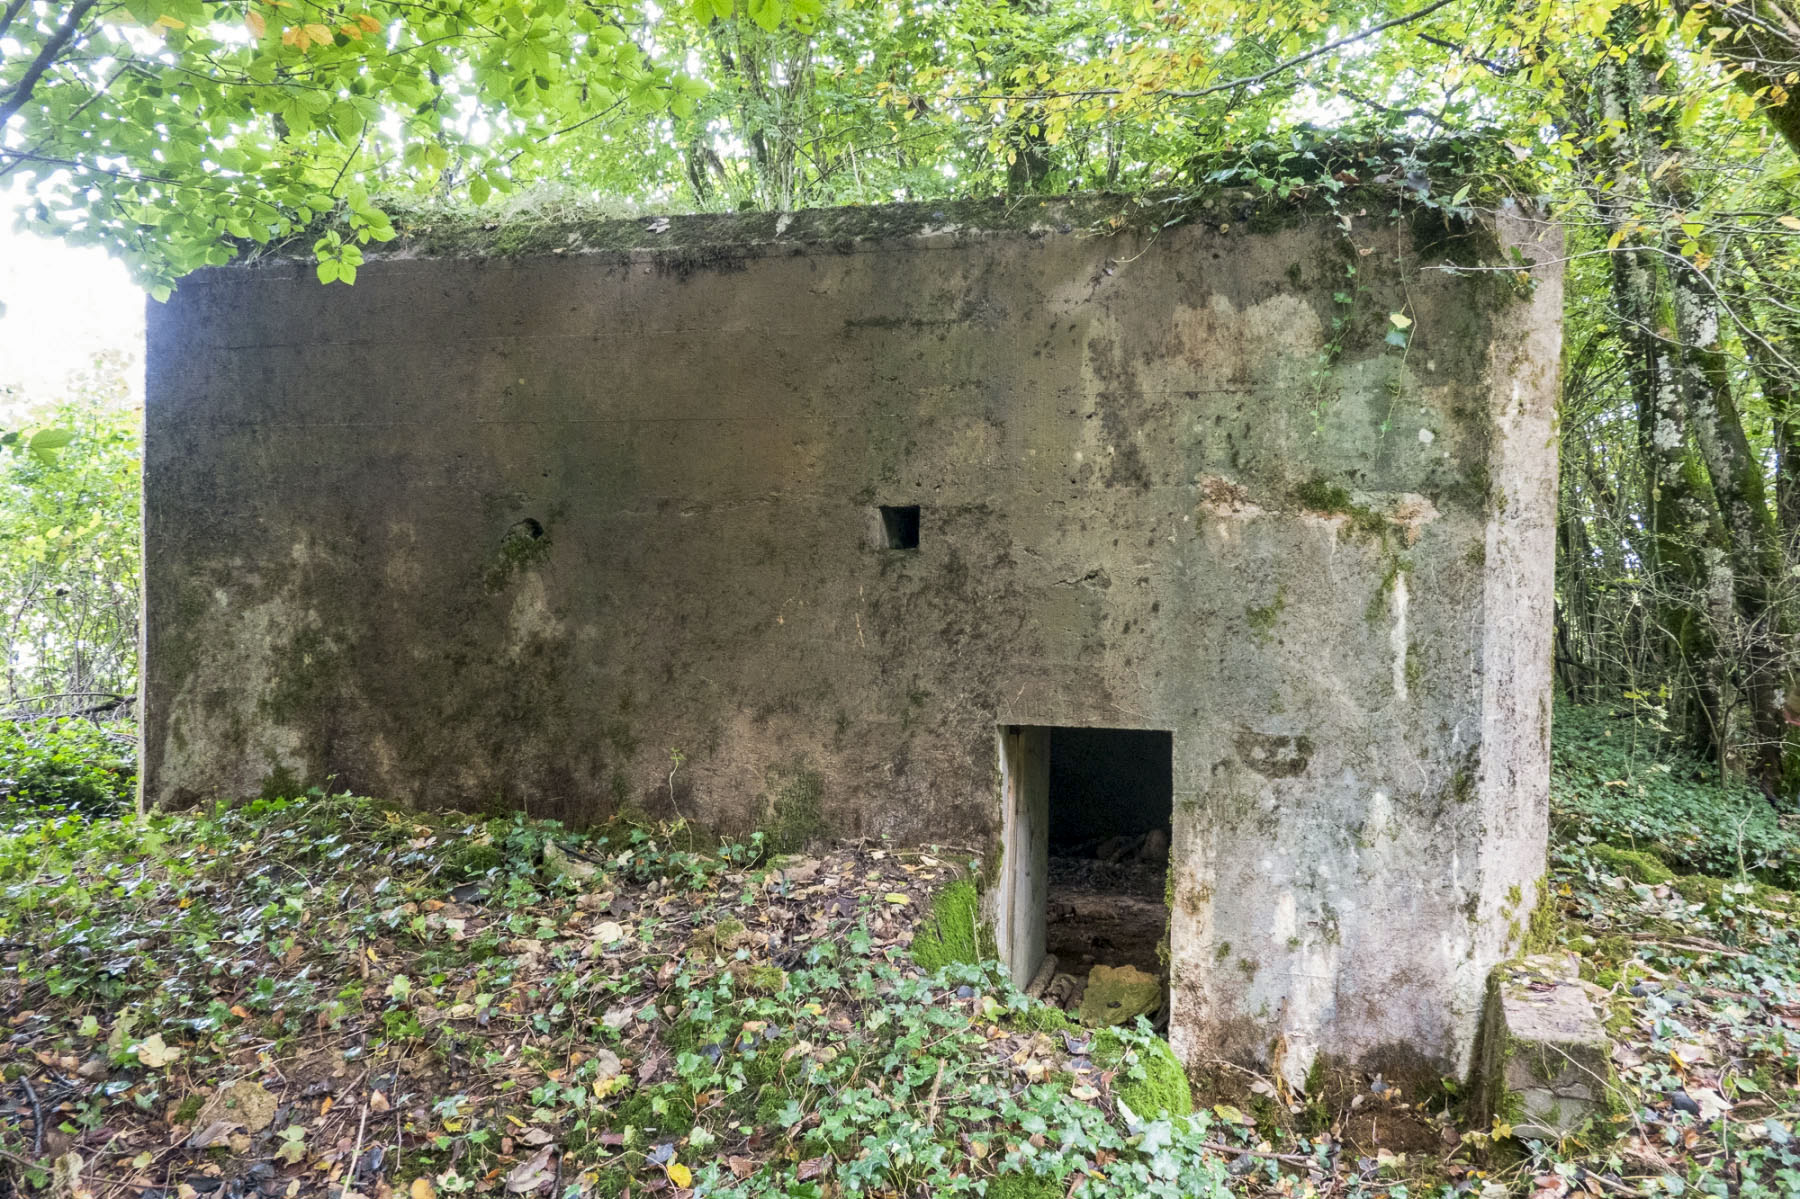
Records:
x=524, y=546
x=306, y=678
x=795, y=806
x=1262, y=620
x=1318, y=494
x=1257, y=189
x=1543, y=930
x=281, y=783
x=953, y=932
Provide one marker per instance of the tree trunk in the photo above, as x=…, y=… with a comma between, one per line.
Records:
x=1683, y=513
x=1703, y=380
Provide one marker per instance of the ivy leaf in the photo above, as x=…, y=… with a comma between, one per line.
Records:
x=292, y=1148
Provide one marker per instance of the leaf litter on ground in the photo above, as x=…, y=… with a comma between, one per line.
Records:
x=334, y=997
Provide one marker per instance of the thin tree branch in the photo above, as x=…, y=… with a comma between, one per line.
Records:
x=20, y=92
x=12, y=11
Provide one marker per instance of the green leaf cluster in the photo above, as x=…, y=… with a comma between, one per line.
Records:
x=69, y=552
x=69, y=765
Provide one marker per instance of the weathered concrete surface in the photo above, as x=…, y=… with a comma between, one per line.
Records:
x=1545, y=1060
x=504, y=532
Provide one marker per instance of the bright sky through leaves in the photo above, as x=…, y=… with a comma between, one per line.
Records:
x=62, y=305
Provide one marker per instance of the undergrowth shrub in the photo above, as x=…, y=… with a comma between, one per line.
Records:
x=1617, y=780
x=68, y=765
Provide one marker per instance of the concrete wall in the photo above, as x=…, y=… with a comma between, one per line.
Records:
x=505, y=531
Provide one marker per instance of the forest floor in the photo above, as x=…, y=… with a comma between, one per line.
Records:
x=333, y=997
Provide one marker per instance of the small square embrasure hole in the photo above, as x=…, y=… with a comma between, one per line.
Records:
x=900, y=527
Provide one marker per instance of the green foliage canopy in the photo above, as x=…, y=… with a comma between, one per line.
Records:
x=169, y=130
x=69, y=550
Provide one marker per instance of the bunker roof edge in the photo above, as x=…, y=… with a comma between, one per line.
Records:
x=707, y=239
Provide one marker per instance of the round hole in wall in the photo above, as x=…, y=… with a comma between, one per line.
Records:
x=525, y=530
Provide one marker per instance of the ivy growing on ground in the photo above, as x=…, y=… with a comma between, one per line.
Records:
x=1616, y=779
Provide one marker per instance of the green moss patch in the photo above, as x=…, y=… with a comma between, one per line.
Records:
x=1025, y=1186
x=1318, y=494
x=953, y=932
x=472, y=859
x=1639, y=865
x=1719, y=895
x=1163, y=1089
x=795, y=804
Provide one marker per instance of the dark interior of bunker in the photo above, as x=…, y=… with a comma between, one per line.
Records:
x=1111, y=805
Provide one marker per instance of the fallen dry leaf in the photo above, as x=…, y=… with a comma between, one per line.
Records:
x=530, y=1174
x=153, y=1053
x=216, y=1133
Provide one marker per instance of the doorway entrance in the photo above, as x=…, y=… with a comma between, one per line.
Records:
x=1087, y=823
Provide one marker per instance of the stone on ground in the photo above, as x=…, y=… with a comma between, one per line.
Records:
x=1119, y=995
x=1545, y=1061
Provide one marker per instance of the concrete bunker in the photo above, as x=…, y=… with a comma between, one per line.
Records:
x=825, y=502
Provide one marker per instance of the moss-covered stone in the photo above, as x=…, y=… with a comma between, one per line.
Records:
x=953, y=932
x=1164, y=1089
x=1638, y=865
x=724, y=938
x=762, y=979
x=1119, y=995
x=1544, y=1063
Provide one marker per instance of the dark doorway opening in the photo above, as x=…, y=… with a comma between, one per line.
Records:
x=1111, y=807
